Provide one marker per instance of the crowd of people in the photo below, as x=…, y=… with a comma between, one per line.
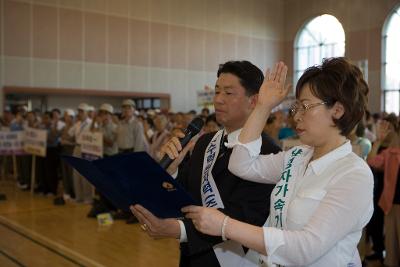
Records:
x=374, y=138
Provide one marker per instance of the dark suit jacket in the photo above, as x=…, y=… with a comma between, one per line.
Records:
x=243, y=200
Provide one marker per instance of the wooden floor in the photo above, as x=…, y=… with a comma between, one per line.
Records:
x=34, y=232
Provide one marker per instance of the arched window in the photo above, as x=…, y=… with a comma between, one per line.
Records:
x=320, y=38
x=391, y=62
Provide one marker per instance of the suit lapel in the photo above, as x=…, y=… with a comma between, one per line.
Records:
x=221, y=164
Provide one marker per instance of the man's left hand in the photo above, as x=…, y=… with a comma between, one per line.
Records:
x=154, y=226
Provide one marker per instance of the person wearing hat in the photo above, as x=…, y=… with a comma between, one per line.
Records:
x=130, y=138
x=82, y=188
x=108, y=128
x=67, y=148
x=130, y=133
x=91, y=112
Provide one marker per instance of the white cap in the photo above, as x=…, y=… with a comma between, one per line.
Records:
x=90, y=108
x=70, y=112
x=107, y=107
x=151, y=112
x=83, y=106
x=129, y=102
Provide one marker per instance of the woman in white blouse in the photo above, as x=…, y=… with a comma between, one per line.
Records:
x=323, y=193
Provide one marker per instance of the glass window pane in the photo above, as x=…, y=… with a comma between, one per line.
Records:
x=322, y=37
x=392, y=102
x=392, y=76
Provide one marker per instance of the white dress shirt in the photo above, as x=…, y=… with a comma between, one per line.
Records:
x=78, y=128
x=331, y=200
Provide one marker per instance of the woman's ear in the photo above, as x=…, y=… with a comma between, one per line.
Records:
x=337, y=110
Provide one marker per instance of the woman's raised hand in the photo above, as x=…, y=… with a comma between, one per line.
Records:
x=273, y=89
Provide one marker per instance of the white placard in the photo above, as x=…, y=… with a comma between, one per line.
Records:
x=35, y=142
x=11, y=143
x=92, y=143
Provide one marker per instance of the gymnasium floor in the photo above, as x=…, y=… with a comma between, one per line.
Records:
x=34, y=232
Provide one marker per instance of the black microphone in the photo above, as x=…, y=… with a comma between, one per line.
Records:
x=194, y=128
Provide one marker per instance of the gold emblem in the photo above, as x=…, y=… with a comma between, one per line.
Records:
x=168, y=186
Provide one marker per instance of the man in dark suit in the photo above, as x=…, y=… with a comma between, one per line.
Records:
x=236, y=92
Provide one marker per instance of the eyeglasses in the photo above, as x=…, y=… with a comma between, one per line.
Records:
x=302, y=108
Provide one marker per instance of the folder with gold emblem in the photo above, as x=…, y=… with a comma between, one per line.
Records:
x=134, y=178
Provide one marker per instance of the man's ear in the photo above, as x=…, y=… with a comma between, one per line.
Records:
x=337, y=110
x=253, y=100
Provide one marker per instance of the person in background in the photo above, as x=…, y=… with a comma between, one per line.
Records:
x=82, y=188
x=67, y=148
x=106, y=126
x=288, y=130
x=91, y=112
x=211, y=124
x=361, y=145
x=130, y=133
x=388, y=160
x=205, y=112
x=130, y=138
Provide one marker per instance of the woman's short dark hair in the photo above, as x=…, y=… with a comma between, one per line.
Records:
x=337, y=80
x=250, y=76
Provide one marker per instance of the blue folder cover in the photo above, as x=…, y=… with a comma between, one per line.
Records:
x=134, y=178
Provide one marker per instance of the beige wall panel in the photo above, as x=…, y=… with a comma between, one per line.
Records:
x=159, y=45
x=117, y=78
x=227, y=16
x=159, y=80
x=139, y=43
x=213, y=15
x=260, y=14
x=244, y=17
x=95, y=76
x=44, y=2
x=212, y=55
x=178, y=12
x=375, y=50
x=95, y=37
x=275, y=17
x=159, y=11
x=228, y=47
x=138, y=79
x=71, y=34
x=140, y=9
x=17, y=71
x=119, y=7
x=196, y=49
x=71, y=74
x=177, y=86
x=243, y=47
x=195, y=13
x=258, y=53
x=96, y=5
x=1, y=34
x=117, y=40
x=45, y=36
x=17, y=29
x=374, y=98
x=45, y=73
x=274, y=52
x=177, y=47
x=78, y=4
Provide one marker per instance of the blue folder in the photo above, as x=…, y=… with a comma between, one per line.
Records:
x=134, y=178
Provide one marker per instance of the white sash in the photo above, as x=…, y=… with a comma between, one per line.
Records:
x=229, y=253
x=280, y=198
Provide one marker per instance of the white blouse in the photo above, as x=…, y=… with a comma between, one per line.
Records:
x=318, y=208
